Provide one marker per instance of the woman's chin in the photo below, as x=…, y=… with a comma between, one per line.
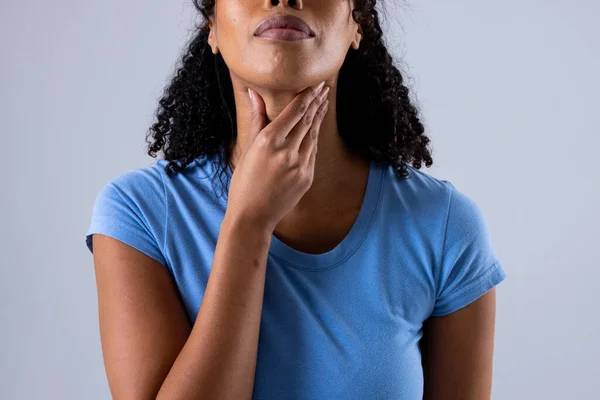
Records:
x=283, y=84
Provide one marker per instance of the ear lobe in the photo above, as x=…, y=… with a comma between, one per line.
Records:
x=356, y=42
x=211, y=39
x=357, y=38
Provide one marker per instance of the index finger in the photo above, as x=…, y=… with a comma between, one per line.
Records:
x=293, y=112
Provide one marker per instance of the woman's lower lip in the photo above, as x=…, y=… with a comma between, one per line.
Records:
x=284, y=34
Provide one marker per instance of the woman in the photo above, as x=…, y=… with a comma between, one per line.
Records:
x=343, y=273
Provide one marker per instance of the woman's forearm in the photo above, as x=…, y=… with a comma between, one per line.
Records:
x=218, y=360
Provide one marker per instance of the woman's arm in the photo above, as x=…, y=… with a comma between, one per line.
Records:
x=457, y=351
x=150, y=350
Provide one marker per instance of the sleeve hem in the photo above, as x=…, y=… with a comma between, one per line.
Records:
x=492, y=277
x=119, y=230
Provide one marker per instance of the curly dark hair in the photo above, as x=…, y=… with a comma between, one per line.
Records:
x=196, y=114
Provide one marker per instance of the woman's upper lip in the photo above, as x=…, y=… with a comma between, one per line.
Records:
x=283, y=21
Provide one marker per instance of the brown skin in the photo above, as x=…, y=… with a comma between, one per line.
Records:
x=278, y=71
x=150, y=350
x=458, y=352
x=149, y=347
x=143, y=325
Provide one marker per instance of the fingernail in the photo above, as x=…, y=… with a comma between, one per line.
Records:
x=320, y=86
x=250, y=94
x=324, y=94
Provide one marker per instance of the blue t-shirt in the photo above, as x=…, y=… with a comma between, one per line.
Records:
x=344, y=324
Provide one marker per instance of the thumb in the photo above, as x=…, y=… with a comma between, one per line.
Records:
x=258, y=117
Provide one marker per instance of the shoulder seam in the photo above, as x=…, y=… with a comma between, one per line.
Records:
x=166, y=220
x=441, y=266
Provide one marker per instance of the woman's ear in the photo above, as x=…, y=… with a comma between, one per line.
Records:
x=212, y=40
x=357, y=38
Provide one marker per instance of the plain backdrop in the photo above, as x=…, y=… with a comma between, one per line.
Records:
x=508, y=91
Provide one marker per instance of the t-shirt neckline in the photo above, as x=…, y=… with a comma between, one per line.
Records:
x=349, y=244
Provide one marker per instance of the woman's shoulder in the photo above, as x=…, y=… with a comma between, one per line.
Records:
x=155, y=178
x=138, y=191
x=426, y=196
x=419, y=188
x=140, y=179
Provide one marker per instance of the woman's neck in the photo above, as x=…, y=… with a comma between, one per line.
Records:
x=336, y=168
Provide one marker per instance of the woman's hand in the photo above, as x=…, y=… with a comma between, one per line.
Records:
x=277, y=168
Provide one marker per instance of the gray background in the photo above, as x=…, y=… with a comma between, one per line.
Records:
x=508, y=91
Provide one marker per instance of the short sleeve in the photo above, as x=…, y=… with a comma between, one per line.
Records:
x=131, y=211
x=470, y=266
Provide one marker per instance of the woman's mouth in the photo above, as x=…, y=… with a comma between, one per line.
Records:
x=284, y=34
x=284, y=27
